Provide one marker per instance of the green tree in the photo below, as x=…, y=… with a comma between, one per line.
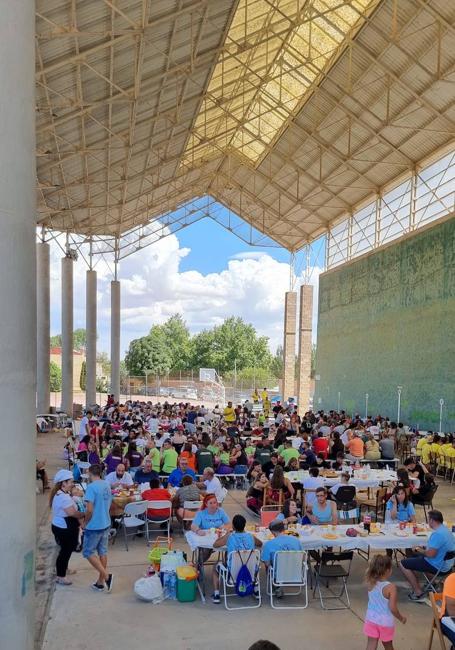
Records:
x=277, y=363
x=79, y=340
x=177, y=337
x=55, y=379
x=56, y=341
x=83, y=376
x=149, y=353
x=102, y=358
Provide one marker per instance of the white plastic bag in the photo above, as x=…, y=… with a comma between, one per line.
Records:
x=149, y=589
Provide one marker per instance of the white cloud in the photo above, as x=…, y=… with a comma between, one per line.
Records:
x=153, y=288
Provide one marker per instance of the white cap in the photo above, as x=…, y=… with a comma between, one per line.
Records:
x=63, y=475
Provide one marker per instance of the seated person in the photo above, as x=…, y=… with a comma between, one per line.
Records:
x=210, y=516
x=321, y=445
x=211, y=484
x=322, y=512
x=255, y=494
x=431, y=558
x=372, y=449
x=308, y=457
x=288, y=452
x=344, y=481
x=188, y=492
x=176, y=476
x=280, y=542
x=399, y=507
x=157, y=493
x=310, y=484
x=235, y=540
x=321, y=462
x=355, y=448
x=387, y=446
x=119, y=478
x=290, y=514
x=293, y=465
x=447, y=611
x=145, y=473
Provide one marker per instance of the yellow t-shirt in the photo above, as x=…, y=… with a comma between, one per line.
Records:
x=426, y=450
x=420, y=444
x=229, y=414
x=264, y=395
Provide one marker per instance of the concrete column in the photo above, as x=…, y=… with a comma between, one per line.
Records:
x=67, y=335
x=90, y=324
x=305, y=347
x=43, y=329
x=17, y=325
x=290, y=314
x=115, y=338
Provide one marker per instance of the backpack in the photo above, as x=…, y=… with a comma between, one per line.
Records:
x=244, y=585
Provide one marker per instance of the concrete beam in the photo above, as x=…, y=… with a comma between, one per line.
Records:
x=290, y=315
x=305, y=347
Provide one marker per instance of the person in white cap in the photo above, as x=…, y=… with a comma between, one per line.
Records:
x=65, y=522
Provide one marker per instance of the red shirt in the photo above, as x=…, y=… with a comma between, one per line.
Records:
x=321, y=445
x=157, y=494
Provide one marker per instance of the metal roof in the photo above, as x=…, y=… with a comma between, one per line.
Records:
x=292, y=113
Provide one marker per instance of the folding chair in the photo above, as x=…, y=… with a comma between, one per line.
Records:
x=426, y=502
x=131, y=519
x=435, y=577
x=330, y=567
x=222, y=495
x=228, y=575
x=189, y=508
x=377, y=504
x=436, y=622
x=157, y=521
x=289, y=569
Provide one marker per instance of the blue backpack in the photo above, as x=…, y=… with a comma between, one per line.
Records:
x=244, y=585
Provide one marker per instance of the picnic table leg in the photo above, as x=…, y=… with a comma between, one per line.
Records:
x=197, y=560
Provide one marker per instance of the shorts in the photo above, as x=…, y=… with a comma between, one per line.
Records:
x=95, y=541
x=381, y=632
x=418, y=563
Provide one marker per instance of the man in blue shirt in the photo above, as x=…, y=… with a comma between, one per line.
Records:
x=145, y=473
x=98, y=500
x=431, y=558
x=280, y=542
x=175, y=477
x=235, y=540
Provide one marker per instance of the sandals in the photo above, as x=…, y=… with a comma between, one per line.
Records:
x=64, y=581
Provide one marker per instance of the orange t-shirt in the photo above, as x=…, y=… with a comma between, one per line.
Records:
x=191, y=459
x=355, y=447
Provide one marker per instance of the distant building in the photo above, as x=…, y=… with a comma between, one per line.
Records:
x=78, y=358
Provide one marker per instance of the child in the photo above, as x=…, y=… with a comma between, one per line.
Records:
x=77, y=495
x=382, y=604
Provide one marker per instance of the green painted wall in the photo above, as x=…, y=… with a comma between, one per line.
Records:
x=388, y=319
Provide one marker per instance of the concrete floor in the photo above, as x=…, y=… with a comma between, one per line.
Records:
x=78, y=618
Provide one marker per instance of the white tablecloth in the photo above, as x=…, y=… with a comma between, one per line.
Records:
x=362, y=478
x=313, y=538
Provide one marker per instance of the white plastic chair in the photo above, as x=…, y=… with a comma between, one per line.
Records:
x=289, y=569
x=192, y=507
x=158, y=505
x=228, y=575
x=221, y=495
x=130, y=518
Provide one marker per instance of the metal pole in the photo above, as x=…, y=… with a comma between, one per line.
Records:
x=441, y=405
x=339, y=401
x=366, y=405
x=399, y=389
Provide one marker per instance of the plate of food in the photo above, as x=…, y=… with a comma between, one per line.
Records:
x=329, y=536
x=401, y=533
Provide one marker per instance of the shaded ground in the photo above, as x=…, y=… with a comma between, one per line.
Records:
x=80, y=619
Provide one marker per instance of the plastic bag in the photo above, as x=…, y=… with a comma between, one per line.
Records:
x=171, y=560
x=149, y=589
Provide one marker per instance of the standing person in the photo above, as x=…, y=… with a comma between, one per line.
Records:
x=98, y=500
x=84, y=425
x=65, y=522
x=382, y=604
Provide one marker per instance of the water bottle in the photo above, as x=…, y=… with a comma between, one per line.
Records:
x=173, y=586
x=166, y=585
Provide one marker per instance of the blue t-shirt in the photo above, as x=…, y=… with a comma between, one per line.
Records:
x=240, y=542
x=280, y=517
x=441, y=539
x=205, y=520
x=280, y=543
x=99, y=493
x=404, y=513
x=175, y=477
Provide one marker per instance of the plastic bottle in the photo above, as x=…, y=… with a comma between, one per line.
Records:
x=173, y=586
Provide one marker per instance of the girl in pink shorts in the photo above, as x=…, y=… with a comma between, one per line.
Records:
x=382, y=604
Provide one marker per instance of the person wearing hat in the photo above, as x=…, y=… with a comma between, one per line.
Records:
x=65, y=522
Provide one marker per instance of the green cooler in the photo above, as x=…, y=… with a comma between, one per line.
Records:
x=186, y=584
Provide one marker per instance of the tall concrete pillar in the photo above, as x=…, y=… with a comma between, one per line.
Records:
x=90, y=324
x=18, y=325
x=43, y=329
x=290, y=314
x=67, y=335
x=305, y=347
x=115, y=339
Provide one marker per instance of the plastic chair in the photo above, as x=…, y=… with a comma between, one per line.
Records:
x=332, y=567
x=228, y=575
x=426, y=502
x=158, y=505
x=377, y=504
x=189, y=507
x=130, y=519
x=289, y=569
x=221, y=496
x=269, y=514
x=434, y=577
